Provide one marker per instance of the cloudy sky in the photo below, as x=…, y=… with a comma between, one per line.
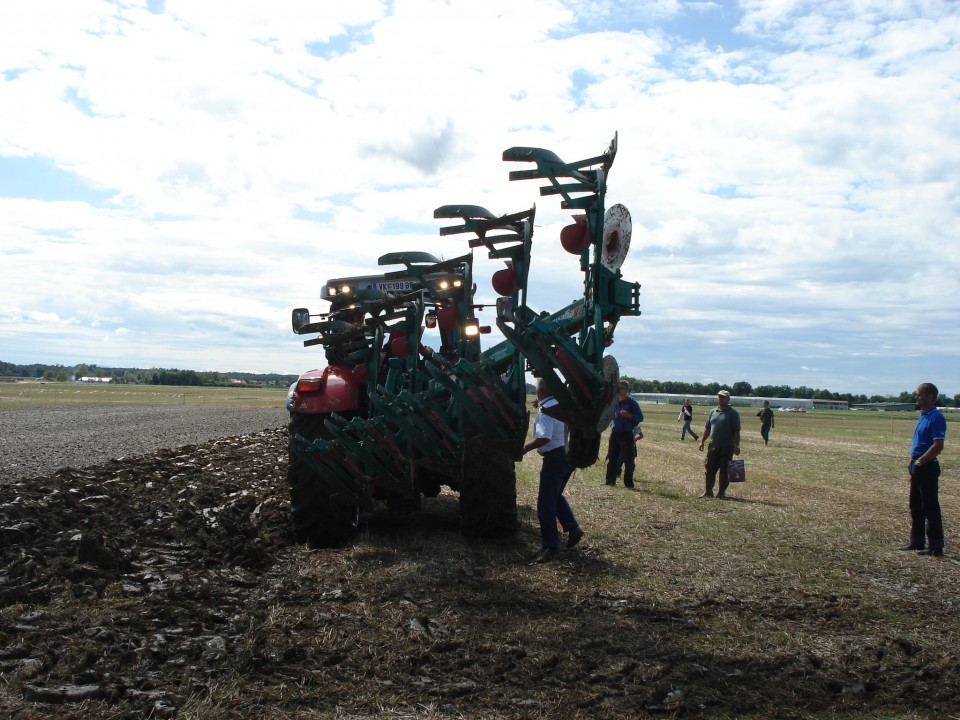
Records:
x=177, y=175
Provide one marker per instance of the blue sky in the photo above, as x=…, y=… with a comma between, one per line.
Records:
x=175, y=177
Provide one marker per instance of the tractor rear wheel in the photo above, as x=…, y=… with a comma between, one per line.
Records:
x=316, y=519
x=488, y=494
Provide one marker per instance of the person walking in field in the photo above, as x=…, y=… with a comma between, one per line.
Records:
x=723, y=430
x=926, y=522
x=766, y=421
x=686, y=414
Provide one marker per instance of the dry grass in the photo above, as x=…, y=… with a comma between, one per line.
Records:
x=822, y=512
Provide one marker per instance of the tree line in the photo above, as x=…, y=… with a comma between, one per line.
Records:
x=745, y=389
x=174, y=376
x=141, y=376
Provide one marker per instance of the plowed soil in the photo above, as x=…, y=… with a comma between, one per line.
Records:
x=166, y=584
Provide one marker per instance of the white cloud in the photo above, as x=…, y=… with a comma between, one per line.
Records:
x=793, y=195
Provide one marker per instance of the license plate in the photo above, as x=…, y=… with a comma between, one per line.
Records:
x=395, y=286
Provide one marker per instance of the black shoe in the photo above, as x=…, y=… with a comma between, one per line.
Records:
x=934, y=552
x=611, y=483
x=576, y=535
x=911, y=546
x=630, y=486
x=544, y=555
x=721, y=496
x=707, y=494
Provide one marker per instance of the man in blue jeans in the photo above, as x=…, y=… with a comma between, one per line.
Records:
x=926, y=523
x=549, y=442
x=686, y=414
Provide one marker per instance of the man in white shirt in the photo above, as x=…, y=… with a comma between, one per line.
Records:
x=549, y=442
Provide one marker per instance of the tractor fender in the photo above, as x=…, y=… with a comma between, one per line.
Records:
x=334, y=389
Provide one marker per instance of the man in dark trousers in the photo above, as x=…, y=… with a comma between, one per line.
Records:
x=549, y=442
x=686, y=414
x=766, y=421
x=926, y=523
x=626, y=416
x=723, y=431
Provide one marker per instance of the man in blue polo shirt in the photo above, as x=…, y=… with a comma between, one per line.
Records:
x=926, y=523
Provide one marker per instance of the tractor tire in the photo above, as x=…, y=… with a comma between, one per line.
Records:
x=316, y=520
x=488, y=494
x=583, y=449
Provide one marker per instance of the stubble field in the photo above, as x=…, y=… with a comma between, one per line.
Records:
x=165, y=584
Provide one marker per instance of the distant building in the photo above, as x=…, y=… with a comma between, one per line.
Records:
x=87, y=379
x=885, y=406
x=741, y=401
x=831, y=405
